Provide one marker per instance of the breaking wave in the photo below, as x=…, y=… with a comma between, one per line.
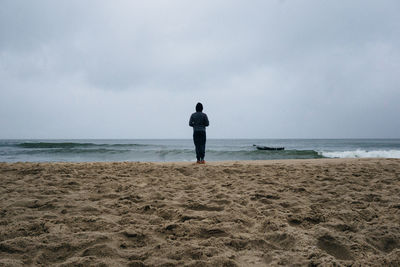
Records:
x=362, y=154
x=71, y=145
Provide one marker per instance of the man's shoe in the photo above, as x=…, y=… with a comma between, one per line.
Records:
x=203, y=162
x=198, y=162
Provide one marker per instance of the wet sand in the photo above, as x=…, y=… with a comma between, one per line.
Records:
x=261, y=213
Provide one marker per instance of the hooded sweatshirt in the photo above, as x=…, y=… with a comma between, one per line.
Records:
x=199, y=121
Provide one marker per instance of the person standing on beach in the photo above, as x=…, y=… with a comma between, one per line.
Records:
x=199, y=122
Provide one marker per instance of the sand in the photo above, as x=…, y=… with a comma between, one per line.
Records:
x=261, y=213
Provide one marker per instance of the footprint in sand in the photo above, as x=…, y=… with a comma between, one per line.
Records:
x=334, y=247
x=201, y=207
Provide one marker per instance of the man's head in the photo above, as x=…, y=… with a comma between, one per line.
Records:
x=199, y=107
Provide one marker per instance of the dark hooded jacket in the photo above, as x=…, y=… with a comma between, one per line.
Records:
x=199, y=121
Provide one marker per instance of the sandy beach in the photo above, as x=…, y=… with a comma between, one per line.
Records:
x=256, y=213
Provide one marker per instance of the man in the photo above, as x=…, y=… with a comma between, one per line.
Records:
x=199, y=122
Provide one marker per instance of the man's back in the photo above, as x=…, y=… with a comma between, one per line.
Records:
x=199, y=121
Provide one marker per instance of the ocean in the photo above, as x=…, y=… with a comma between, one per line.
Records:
x=88, y=150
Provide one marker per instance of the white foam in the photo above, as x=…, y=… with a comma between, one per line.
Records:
x=362, y=154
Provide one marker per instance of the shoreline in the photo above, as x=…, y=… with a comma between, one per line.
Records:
x=251, y=162
x=234, y=213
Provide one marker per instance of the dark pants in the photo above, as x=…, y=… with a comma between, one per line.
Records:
x=199, y=139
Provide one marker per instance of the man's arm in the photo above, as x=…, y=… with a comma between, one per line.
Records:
x=206, y=122
x=191, y=122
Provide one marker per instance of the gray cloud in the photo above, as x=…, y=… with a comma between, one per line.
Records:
x=136, y=69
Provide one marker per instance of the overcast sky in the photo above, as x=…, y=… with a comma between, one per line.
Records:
x=262, y=69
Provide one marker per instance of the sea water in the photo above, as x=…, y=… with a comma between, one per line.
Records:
x=85, y=150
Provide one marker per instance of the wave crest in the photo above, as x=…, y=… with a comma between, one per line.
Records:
x=362, y=154
x=72, y=145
